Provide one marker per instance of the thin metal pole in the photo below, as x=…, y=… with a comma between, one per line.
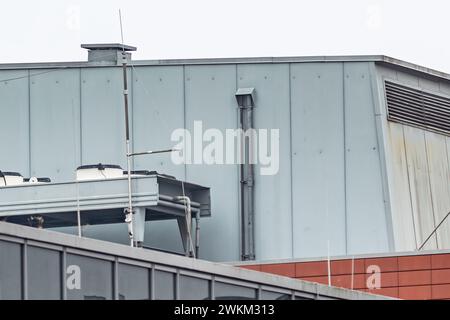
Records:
x=328, y=263
x=78, y=211
x=127, y=130
x=353, y=272
x=130, y=202
x=328, y=240
x=121, y=30
x=197, y=234
x=127, y=134
x=153, y=152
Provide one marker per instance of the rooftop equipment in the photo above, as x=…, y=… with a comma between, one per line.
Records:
x=10, y=179
x=99, y=172
x=102, y=201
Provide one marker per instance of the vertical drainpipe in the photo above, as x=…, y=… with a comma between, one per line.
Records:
x=245, y=100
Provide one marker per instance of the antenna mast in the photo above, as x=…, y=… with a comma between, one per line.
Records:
x=129, y=210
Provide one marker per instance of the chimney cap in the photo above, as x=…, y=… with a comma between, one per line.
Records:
x=108, y=46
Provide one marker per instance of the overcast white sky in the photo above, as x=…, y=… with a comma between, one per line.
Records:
x=52, y=30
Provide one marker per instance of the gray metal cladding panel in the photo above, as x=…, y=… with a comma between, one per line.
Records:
x=14, y=128
x=210, y=98
x=192, y=288
x=55, y=125
x=401, y=207
x=420, y=185
x=134, y=282
x=164, y=285
x=43, y=274
x=10, y=271
x=158, y=109
x=102, y=114
x=273, y=214
x=96, y=278
x=227, y=291
x=366, y=220
x=318, y=159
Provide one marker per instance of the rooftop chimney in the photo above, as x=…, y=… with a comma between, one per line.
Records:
x=108, y=53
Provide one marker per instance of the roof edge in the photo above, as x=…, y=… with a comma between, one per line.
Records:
x=379, y=59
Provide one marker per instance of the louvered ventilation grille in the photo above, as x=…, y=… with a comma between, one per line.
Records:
x=418, y=108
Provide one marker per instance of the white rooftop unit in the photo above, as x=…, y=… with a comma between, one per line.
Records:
x=10, y=179
x=99, y=172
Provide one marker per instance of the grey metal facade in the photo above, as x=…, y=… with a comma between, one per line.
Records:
x=336, y=186
x=38, y=264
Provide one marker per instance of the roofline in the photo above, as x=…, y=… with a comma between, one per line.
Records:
x=379, y=59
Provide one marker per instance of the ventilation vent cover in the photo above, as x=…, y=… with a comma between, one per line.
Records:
x=418, y=108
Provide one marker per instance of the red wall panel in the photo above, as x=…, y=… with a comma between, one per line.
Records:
x=406, y=277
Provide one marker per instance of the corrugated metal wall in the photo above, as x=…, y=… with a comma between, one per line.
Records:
x=418, y=173
x=330, y=185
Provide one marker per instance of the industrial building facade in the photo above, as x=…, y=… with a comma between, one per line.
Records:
x=353, y=178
